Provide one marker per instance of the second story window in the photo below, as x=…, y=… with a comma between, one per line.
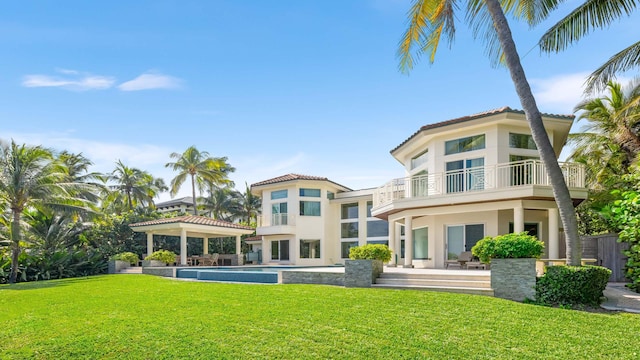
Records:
x=279, y=215
x=419, y=159
x=310, y=192
x=476, y=142
x=280, y=194
x=310, y=208
x=522, y=141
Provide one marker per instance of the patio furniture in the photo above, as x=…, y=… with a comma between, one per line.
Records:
x=452, y=264
x=209, y=259
x=477, y=265
x=464, y=258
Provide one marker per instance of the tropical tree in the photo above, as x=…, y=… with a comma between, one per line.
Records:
x=249, y=205
x=29, y=178
x=202, y=169
x=132, y=187
x=50, y=231
x=220, y=202
x=581, y=21
x=429, y=20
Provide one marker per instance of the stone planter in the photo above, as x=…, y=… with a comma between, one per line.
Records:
x=514, y=279
x=116, y=265
x=361, y=273
x=152, y=263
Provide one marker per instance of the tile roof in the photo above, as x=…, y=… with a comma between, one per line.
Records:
x=188, y=200
x=292, y=177
x=253, y=238
x=504, y=109
x=192, y=219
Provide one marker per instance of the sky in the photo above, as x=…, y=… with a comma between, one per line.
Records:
x=288, y=86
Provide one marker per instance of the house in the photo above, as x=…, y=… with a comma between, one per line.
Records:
x=465, y=178
x=181, y=205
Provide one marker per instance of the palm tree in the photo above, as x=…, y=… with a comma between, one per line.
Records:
x=202, y=169
x=610, y=143
x=29, y=178
x=249, y=205
x=430, y=19
x=220, y=202
x=591, y=14
x=138, y=187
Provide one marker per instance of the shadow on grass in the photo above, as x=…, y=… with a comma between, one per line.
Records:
x=43, y=284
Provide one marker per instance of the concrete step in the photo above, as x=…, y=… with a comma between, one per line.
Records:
x=486, y=284
x=131, y=270
x=471, y=276
x=459, y=290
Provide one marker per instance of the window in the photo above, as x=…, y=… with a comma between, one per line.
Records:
x=522, y=141
x=419, y=159
x=522, y=172
x=279, y=215
x=280, y=250
x=378, y=242
x=420, y=184
x=369, y=207
x=530, y=228
x=310, y=192
x=280, y=194
x=465, y=175
x=421, y=244
x=330, y=195
x=346, y=246
x=310, y=208
x=462, y=238
x=377, y=228
x=349, y=230
x=465, y=144
x=309, y=249
x=350, y=211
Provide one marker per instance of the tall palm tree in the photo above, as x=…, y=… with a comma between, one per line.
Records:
x=610, y=143
x=429, y=20
x=220, y=202
x=581, y=21
x=137, y=187
x=202, y=169
x=249, y=205
x=29, y=178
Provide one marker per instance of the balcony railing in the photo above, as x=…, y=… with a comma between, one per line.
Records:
x=281, y=219
x=499, y=176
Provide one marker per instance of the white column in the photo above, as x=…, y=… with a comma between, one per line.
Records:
x=149, y=243
x=205, y=245
x=392, y=242
x=518, y=219
x=398, y=244
x=183, y=247
x=408, y=242
x=554, y=245
x=238, y=244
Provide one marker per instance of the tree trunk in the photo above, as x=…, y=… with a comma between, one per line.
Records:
x=15, y=246
x=193, y=193
x=547, y=155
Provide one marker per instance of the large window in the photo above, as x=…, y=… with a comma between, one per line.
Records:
x=310, y=208
x=280, y=250
x=522, y=141
x=377, y=228
x=280, y=194
x=462, y=238
x=279, y=215
x=309, y=249
x=421, y=244
x=345, y=246
x=470, y=143
x=530, y=228
x=465, y=175
x=419, y=159
x=350, y=211
x=310, y=192
x=349, y=230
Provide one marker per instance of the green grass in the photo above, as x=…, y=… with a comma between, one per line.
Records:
x=145, y=317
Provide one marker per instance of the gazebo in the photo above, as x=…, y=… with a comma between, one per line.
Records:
x=191, y=226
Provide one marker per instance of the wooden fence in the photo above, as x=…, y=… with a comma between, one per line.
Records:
x=607, y=250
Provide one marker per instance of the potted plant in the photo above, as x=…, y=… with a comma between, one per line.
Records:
x=122, y=261
x=365, y=264
x=513, y=263
x=160, y=258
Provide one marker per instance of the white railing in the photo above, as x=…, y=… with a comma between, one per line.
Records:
x=500, y=176
x=281, y=219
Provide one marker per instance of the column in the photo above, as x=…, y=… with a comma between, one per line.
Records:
x=554, y=245
x=408, y=242
x=518, y=219
x=205, y=245
x=238, y=244
x=183, y=247
x=149, y=243
x=398, y=244
x=392, y=243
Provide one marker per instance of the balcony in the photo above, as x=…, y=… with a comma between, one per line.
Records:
x=527, y=174
x=281, y=223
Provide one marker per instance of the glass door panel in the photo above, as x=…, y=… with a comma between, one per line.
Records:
x=421, y=244
x=455, y=241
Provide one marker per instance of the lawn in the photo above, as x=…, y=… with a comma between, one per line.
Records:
x=145, y=317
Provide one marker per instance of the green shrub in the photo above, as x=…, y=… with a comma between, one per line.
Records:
x=129, y=257
x=370, y=252
x=165, y=256
x=508, y=246
x=572, y=285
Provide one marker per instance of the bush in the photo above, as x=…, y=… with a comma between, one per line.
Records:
x=370, y=252
x=572, y=285
x=508, y=246
x=165, y=256
x=129, y=257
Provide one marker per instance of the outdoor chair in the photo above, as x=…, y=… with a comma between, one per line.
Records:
x=464, y=258
x=210, y=259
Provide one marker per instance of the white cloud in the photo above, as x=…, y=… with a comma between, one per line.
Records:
x=150, y=80
x=560, y=93
x=69, y=80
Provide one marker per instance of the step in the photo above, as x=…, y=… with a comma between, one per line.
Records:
x=131, y=270
x=436, y=282
x=458, y=290
x=470, y=276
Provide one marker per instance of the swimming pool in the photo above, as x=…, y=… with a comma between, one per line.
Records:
x=252, y=274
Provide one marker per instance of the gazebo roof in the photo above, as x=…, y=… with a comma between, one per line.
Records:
x=201, y=225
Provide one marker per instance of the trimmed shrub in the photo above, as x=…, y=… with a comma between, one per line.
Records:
x=129, y=257
x=370, y=252
x=572, y=285
x=165, y=256
x=508, y=246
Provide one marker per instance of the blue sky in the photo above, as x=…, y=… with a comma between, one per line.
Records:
x=283, y=86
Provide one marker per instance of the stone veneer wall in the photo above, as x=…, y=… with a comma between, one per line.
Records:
x=361, y=273
x=116, y=265
x=513, y=279
x=310, y=277
x=160, y=271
